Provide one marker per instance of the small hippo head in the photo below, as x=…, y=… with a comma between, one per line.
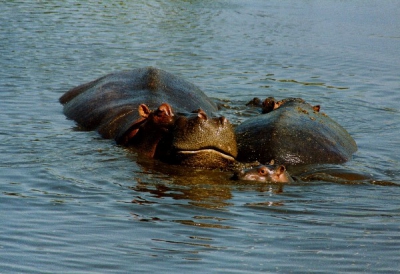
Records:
x=202, y=141
x=265, y=173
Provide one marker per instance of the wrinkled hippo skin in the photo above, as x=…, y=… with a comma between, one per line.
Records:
x=129, y=108
x=293, y=132
x=264, y=173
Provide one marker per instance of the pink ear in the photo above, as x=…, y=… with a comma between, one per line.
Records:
x=144, y=111
x=166, y=109
x=280, y=169
x=316, y=108
x=201, y=114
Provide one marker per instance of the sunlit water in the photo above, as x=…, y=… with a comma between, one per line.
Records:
x=73, y=202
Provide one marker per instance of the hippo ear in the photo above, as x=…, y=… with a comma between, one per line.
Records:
x=280, y=169
x=201, y=114
x=278, y=104
x=144, y=111
x=165, y=109
x=268, y=105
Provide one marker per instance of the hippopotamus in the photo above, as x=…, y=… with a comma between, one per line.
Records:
x=293, y=132
x=161, y=115
x=109, y=104
x=199, y=141
x=264, y=173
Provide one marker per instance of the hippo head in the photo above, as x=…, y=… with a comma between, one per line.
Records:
x=202, y=141
x=192, y=139
x=265, y=173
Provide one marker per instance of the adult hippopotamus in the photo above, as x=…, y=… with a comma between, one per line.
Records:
x=119, y=106
x=264, y=173
x=110, y=103
x=293, y=132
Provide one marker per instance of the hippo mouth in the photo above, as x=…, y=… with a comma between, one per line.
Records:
x=206, y=151
x=204, y=158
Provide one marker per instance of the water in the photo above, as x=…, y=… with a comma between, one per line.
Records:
x=73, y=202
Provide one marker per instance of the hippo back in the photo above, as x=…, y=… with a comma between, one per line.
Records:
x=294, y=134
x=110, y=103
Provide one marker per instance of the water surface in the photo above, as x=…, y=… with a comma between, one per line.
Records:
x=73, y=202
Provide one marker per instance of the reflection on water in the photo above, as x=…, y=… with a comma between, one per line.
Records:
x=211, y=189
x=305, y=83
x=73, y=202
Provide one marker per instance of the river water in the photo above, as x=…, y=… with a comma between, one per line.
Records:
x=73, y=202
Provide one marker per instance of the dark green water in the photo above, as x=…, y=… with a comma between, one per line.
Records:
x=73, y=202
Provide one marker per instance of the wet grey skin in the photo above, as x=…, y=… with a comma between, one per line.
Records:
x=157, y=113
x=293, y=132
x=110, y=103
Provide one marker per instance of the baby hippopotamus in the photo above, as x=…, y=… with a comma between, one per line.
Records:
x=265, y=173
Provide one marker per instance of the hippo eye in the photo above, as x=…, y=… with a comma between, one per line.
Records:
x=263, y=170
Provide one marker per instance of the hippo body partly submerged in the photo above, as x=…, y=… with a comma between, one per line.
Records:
x=293, y=132
x=152, y=110
x=110, y=103
x=149, y=109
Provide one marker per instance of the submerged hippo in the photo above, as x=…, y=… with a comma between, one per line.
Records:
x=118, y=107
x=265, y=173
x=110, y=103
x=293, y=132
